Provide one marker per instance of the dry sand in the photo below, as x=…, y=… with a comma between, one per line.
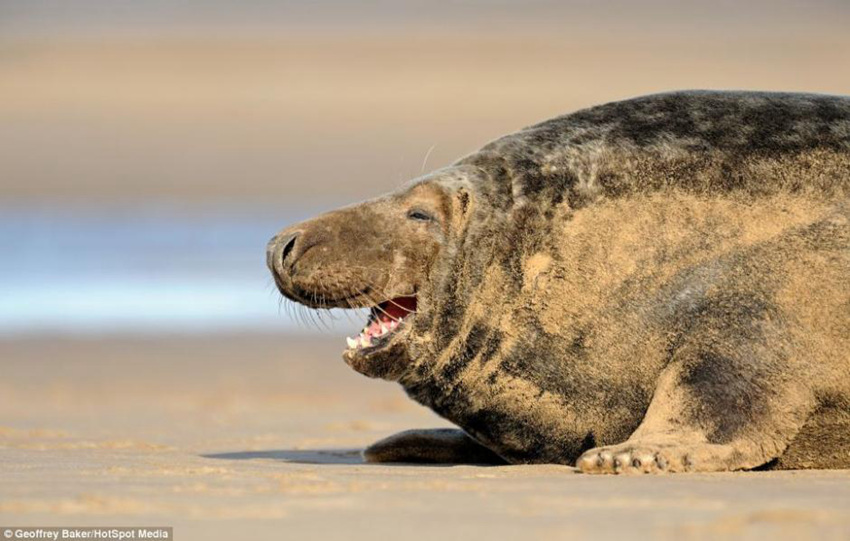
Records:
x=258, y=437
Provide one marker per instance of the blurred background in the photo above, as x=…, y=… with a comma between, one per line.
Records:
x=149, y=149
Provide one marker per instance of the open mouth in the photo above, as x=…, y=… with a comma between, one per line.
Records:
x=385, y=319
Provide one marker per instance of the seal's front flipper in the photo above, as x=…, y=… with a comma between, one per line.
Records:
x=434, y=446
x=732, y=398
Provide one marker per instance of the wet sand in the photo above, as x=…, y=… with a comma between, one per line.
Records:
x=248, y=437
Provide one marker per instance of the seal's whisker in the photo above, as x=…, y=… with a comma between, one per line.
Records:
x=377, y=306
x=308, y=315
x=427, y=155
x=285, y=303
x=397, y=305
x=271, y=286
x=389, y=299
x=323, y=309
x=312, y=316
x=318, y=311
x=322, y=321
x=302, y=316
x=344, y=311
x=296, y=311
x=350, y=307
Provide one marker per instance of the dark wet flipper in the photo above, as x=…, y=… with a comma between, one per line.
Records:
x=431, y=446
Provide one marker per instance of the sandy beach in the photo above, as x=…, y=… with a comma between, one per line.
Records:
x=242, y=437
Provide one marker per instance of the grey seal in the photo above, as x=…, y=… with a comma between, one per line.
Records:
x=660, y=284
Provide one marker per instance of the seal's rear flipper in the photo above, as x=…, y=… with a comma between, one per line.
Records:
x=432, y=446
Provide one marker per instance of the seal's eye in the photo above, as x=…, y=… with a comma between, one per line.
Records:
x=420, y=215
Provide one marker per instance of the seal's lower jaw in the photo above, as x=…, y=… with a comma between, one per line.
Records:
x=376, y=351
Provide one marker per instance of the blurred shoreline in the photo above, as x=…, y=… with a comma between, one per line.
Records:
x=145, y=271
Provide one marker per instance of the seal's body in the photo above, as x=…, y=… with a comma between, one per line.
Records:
x=658, y=284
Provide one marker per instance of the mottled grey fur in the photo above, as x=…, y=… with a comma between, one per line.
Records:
x=657, y=284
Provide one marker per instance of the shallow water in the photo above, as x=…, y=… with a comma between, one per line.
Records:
x=147, y=270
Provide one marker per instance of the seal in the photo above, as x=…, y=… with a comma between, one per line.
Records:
x=660, y=284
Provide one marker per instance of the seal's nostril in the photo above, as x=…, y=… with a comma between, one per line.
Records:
x=288, y=244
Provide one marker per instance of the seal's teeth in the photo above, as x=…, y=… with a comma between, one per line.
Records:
x=384, y=329
x=352, y=343
x=365, y=340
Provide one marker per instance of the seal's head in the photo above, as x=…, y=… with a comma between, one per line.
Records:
x=380, y=255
